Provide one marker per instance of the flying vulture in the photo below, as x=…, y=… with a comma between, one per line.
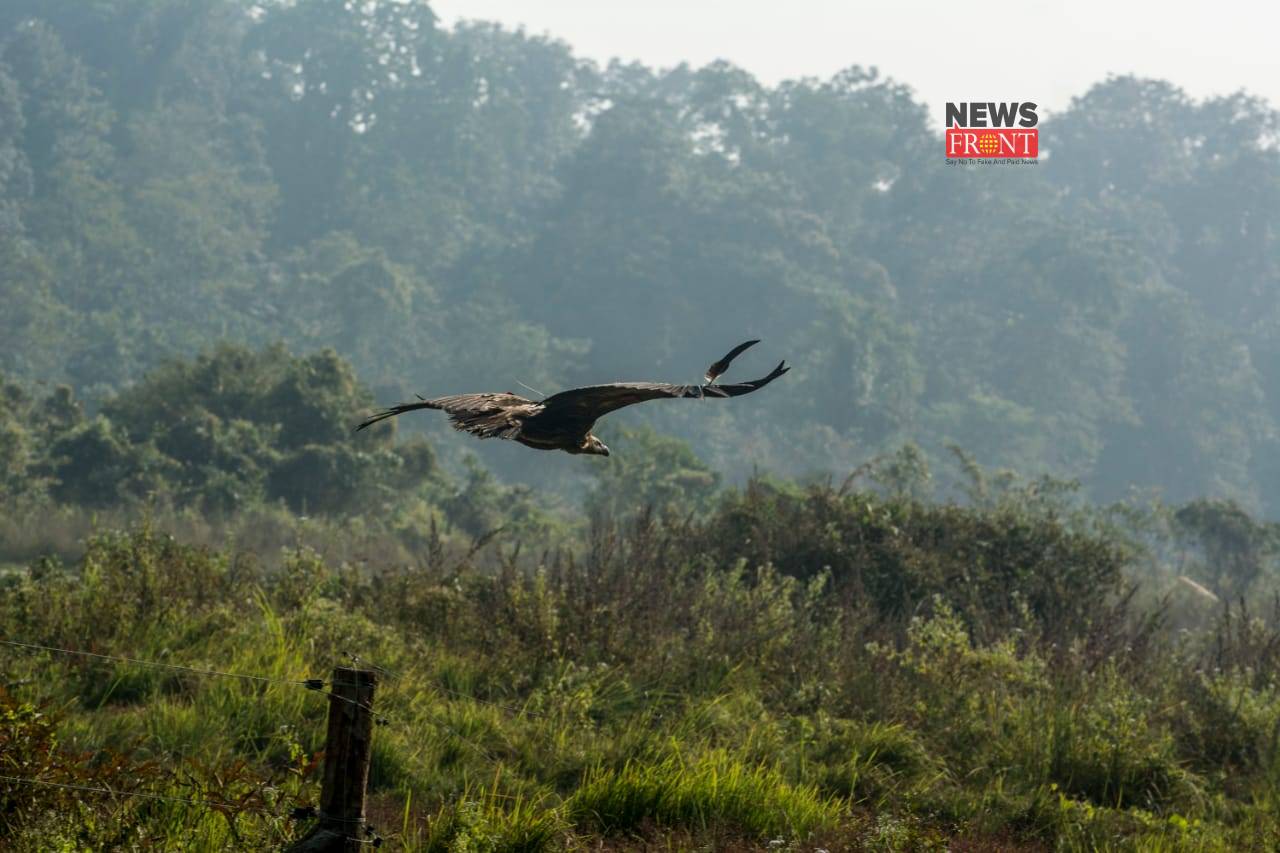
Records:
x=563, y=421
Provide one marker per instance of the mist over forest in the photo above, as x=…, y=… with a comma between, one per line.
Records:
x=468, y=209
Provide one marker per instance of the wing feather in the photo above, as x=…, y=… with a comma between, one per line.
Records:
x=722, y=365
x=483, y=415
x=587, y=404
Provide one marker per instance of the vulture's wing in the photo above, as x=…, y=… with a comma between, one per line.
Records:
x=485, y=415
x=723, y=364
x=581, y=407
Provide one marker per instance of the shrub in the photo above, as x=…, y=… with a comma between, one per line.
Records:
x=898, y=553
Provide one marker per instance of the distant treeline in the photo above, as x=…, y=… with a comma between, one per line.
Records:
x=244, y=440
x=463, y=210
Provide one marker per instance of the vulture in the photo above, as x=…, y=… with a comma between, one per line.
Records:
x=563, y=421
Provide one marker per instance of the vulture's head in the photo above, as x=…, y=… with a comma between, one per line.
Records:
x=594, y=446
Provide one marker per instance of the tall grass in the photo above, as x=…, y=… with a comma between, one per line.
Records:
x=635, y=693
x=714, y=790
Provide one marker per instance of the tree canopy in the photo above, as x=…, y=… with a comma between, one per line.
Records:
x=461, y=210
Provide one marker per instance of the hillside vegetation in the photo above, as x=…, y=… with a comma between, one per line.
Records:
x=463, y=210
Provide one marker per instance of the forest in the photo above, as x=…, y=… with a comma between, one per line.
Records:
x=996, y=566
x=461, y=210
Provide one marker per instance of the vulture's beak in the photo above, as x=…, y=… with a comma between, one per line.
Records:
x=605, y=448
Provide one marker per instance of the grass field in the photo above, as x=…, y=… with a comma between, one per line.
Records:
x=641, y=692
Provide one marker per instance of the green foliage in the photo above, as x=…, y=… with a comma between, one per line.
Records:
x=715, y=791
x=96, y=465
x=23, y=418
x=651, y=470
x=466, y=209
x=1236, y=550
x=652, y=696
x=229, y=430
x=485, y=825
x=658, y=698
x=483, y=507
x=898, y=553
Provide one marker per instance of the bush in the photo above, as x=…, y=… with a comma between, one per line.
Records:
x=992, y=565
x=220, y=433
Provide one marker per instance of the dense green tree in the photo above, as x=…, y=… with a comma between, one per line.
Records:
x=328, y=65
x=16, y=440
x=227, y=430
x=15, y=175
x=33, y=323
x=96, y=465
x=1234, y=548
x=651, y=471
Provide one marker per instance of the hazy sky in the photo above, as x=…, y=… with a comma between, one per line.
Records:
x=1045, y=52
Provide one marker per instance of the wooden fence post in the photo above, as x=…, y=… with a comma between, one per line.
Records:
x=348, y=748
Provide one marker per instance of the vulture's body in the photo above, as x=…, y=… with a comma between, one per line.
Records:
x=564, y=421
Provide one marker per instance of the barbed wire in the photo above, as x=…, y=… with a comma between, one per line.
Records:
x=375, y=667
x=214, y=804
x=523, y=710
x=514, y=710
x=316, y=685
x=406, y=727
x=296, y=814
x=173, y=666
x=311, y=684
x=456, y=694
x=510, y=709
